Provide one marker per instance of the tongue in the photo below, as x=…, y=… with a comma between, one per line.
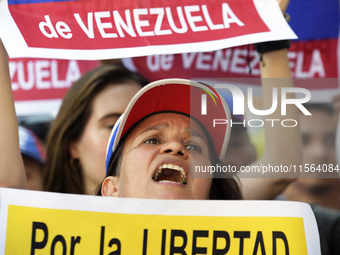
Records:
x=169, y=175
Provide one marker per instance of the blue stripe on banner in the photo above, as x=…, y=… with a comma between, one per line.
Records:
x=314, y=19
x=13, y=2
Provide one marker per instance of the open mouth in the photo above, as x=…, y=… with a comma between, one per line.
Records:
x=170, y=173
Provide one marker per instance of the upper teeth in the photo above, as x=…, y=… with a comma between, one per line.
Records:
x=173, y=167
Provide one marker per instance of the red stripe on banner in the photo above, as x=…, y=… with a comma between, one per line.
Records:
x=96, y=24
x=43, y=79
x=312, y=59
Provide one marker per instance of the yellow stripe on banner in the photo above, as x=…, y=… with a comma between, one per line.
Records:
x=55, y=231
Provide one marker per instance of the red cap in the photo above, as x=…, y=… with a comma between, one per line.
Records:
x=179, y=96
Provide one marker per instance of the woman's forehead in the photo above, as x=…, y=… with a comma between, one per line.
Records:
x=162, y=121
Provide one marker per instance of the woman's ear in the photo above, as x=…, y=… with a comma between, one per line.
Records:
x=109, y=187
x=74, y=152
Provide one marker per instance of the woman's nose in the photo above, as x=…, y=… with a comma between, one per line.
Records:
x=174, y=148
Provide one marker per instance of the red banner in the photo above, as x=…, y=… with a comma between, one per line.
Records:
x=312, y=59
x=125, y=23
x=91, y=29
x=49, y=79
x=45, y=79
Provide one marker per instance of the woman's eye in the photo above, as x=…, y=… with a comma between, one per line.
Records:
x=193, y=147
x=152, y=141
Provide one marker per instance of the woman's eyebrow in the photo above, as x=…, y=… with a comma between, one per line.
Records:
x=110, y=115
x=156, y=127
x=194, y=133
x=164, y=125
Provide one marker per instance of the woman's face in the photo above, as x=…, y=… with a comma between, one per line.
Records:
x=107, y=106
x=156, y=160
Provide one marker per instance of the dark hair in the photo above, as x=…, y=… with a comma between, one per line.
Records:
x=69, y=124
x=221, y=188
